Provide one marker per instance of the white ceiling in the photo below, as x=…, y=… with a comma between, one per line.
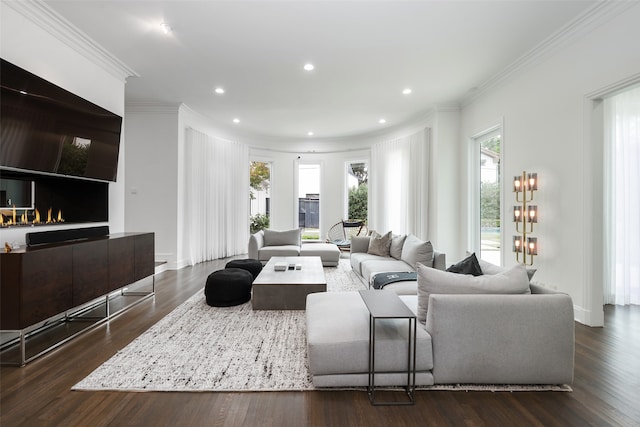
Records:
x=365, y=53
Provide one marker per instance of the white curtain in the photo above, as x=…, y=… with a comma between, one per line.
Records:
x=216, y=197
x=622, y=204
x=399, y=185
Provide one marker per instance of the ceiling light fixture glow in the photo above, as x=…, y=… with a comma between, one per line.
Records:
x=236, y=120
x=406, y=91
x=166, y=28
x=219, y=90
x=309, y=133
x=309, y=66
x=382, y=121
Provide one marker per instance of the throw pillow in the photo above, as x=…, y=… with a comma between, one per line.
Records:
x=469, y=265
x=397, y=241
x=282, y=238
x=416, y=251
x=380, y=245
x=489, y=268
x=433, y=281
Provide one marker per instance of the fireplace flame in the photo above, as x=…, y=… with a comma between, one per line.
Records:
x=13, y=218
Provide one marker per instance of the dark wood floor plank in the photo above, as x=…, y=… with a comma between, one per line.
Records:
x=606, y=385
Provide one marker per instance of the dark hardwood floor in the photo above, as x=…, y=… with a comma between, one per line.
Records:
x=606, y=386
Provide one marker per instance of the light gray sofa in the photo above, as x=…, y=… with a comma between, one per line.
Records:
x=267, y=243
x=517, y=338
x=405, y=252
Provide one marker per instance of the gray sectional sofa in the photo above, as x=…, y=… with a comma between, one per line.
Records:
x=287, y=243
x=491, y=329
x=404, y=254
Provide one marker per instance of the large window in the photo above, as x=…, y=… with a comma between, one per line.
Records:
x=259, y=195
x=357, y=191
x=309, y=200
x=488, y=181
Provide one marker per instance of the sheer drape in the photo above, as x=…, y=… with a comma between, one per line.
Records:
x=399, y=185
x=216, y=197
x=622, y=192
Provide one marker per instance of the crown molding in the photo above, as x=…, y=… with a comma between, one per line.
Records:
x=590, y=19
x=151, y=107
x=55, y=24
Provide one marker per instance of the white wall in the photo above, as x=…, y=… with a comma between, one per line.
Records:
x=548, y=129
x=28, y=45
x=152, y=176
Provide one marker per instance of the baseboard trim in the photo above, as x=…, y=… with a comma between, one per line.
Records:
x=588, y=317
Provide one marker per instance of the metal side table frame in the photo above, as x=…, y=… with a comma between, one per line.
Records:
x=384, y=304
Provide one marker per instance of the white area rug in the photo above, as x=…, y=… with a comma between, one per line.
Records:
x=202, y=348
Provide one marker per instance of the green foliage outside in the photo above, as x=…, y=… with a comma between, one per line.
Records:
x=259, y=177
x=492, y=144
x=490, y=204
x=358, y=197
x=258, y=222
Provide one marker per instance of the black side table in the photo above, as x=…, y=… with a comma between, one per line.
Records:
x=384, y=304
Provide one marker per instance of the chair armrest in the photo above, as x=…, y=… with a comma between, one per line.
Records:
x=502, y=339
x=256, y=241
x=359, y=244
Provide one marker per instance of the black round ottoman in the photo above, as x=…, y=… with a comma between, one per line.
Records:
x=253, y=266
x=231, y=286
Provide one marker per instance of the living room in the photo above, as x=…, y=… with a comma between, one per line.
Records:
x=547, y=103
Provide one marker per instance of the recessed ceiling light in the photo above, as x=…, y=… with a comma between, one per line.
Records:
x=382, y=121
x=308, y=66
x=309, y=133
x=236, y=120
x=166, y=28
x=406, y=91
x=219, y=90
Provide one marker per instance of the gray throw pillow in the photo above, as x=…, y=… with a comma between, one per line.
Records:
x=489, y=268
x=433, y=281
x=416, y=251
x=282, y=238
x=380, y=245
x=397, y=241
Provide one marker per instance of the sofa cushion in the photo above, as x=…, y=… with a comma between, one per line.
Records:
x=469, y=265
x=433, y=281
x=338, y=337
x=358, y=258
x=397, y=241
x=281, y=238
x=380, y=245
x=371, y=267
x=416, y=251
x=267, y=252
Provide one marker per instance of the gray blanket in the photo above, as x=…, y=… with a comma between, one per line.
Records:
x=381, y=280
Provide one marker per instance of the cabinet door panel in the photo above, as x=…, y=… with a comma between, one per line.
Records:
x=90, y=271
x=47, y=283
x=121, y=262
x=144, y=256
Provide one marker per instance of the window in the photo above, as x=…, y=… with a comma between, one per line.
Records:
x=487, y=211
x=309, y=200
x=259, y=195
x=357, y=190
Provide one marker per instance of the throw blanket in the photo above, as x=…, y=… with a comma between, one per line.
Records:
x=381, y=280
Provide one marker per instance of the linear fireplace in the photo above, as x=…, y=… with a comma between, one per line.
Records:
x=32, y=199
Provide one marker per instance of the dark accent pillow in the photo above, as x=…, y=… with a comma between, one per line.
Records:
x=469, y=265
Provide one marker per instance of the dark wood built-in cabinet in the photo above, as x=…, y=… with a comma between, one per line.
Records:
x=42, y=282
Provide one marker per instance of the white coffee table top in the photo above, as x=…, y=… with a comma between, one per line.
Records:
x=310, y=273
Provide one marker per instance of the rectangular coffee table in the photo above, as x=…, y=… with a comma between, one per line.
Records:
x=288, y=290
